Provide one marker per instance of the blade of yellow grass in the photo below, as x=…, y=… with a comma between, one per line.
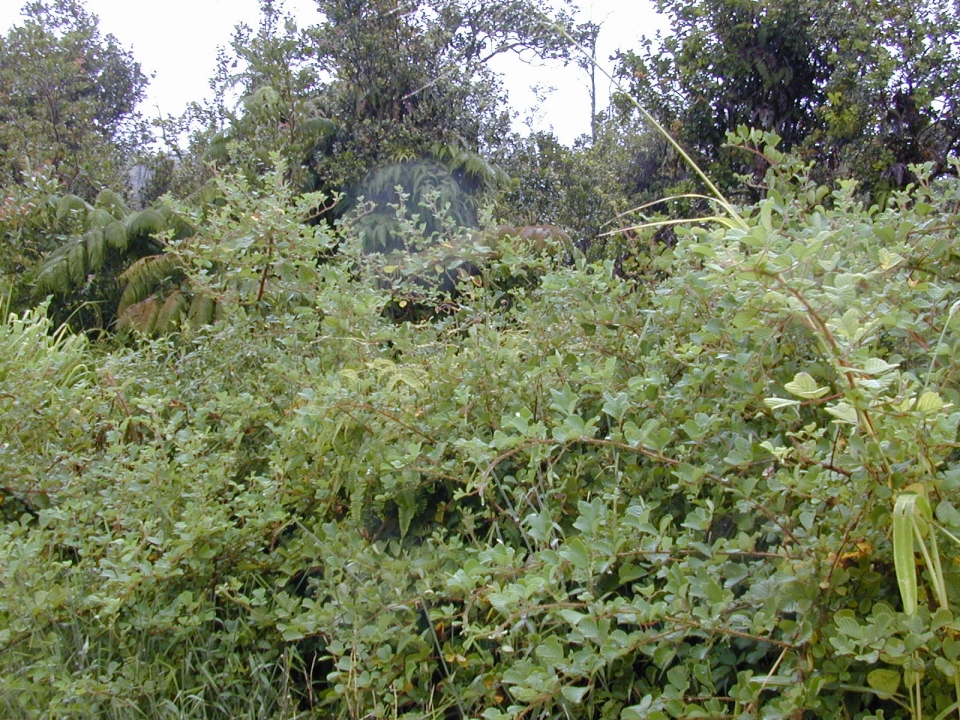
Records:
x=734, y=217
x=904, y=561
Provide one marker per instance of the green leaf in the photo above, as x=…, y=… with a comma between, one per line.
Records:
x=745, y=318
x=930, y=402
x=889, y=260
x=576, y=554
x=803, y=385
x=775, y=403
x=884, y=680
x=551, y=651
x=844, y=413
x=948, y=514
x=904, y=560
x=406, y=510
x=847, y=624
x=574, y=694
x=616, y=405
x=564, y=401
x=876, y=366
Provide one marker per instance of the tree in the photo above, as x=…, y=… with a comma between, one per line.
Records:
x=280, y=89
x=410, y=76
x=68, y=98
x=894, y=93
x=862, y=87
x=375, y=97
x=69, y=135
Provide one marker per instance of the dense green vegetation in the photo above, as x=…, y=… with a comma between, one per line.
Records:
x=276, y=442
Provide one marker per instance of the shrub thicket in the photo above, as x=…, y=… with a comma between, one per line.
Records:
x=583, y=496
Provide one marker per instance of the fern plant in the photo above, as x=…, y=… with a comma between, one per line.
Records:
x=100, y=269
x=433, y=195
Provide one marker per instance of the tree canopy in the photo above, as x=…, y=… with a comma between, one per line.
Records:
x=861, y=88
x=68, y=99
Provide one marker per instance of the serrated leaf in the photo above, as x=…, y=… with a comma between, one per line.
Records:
x=803, y=385
x=848, y=625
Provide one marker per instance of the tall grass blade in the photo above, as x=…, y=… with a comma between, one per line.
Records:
x=904, y=561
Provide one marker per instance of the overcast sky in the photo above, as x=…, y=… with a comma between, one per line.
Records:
x=176, y=41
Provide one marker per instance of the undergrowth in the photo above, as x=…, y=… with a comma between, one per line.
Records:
x=665, y=495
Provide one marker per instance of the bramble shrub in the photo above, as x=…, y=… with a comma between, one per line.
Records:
x=665, y=497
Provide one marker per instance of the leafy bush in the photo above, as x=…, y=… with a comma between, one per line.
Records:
x=605, y=498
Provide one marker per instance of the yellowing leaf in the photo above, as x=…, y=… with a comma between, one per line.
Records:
x=775, y=403
x=844, y=412
x=930, y=402
x=888, y=259
x=876, y=366
x=885, y=681
x=803, y=385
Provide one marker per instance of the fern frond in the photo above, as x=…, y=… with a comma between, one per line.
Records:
x=96, y=248
x=444, y=152
x=175, y=221
x=202, y=309
x=209, y=195
x=99, y=218
x=112, y=202
x=115, y=235
x=217, y=149
x=69, y=204
x=169, y=314
x=141, y=316
x=264, y=99
x=319, y=130
x=358, y=502
x=144, y=223
x=77, y=263
x=53, y=275
x=143, y=277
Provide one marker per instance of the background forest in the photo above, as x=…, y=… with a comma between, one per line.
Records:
x=334, y=397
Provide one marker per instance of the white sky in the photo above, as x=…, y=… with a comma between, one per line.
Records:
x=176, y=41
